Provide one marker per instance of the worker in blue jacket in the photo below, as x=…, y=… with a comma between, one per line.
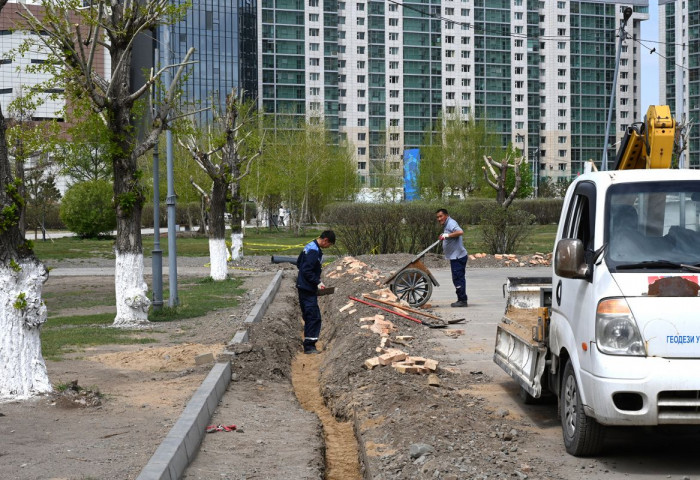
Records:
x=308, y=283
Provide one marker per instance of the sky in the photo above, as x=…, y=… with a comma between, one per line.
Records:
x=650, y=62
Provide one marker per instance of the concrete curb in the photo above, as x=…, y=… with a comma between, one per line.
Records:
x=268, y=295
x=182, y=443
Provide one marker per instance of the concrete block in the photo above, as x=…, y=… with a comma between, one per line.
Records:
x=204, y=359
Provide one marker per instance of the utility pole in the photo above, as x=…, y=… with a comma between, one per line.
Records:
x=623, y=34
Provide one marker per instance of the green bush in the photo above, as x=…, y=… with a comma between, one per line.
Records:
x=52, y=220
x=503, y=229
x=87, y=209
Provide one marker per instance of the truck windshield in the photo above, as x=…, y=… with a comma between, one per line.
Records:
x=657, y=223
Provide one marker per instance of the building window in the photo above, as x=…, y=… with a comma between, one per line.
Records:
x=449, y=81
x=313, y=17
x=393, y=65
x=361, y=107
x=393, y=79
x=360, y=64
x=360, y=35
x=561, y=112
x=393, y=36
x=394, y=137
x=562, y=166
x=361, y=137
x=393, y=7
x=395, y=151
x=360, y=79
x=314, y=62
x=362, y=151
x=561, y=139
x=361, y=122
x=361, y=165
x=450, y=67
x=361, y=7
x=561, y=126
x=393, y=50
x=393, y=22
x=313, y=32
x=465, y=40
x=561, y=86
x=562, y=153
x=561, y=45
x=394, y=122
x=314, y=76
x=393, y=94
x=449, y=39
x=313, y=47
x=314, y=91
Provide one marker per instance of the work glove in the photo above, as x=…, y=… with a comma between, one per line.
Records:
x=443, y=236
x=321, y=286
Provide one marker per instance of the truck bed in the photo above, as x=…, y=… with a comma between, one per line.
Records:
x=519, y=322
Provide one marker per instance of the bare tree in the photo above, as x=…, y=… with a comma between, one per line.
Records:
x=227, y=159
x=22, y=367
x=497, y=181
x=73, y=33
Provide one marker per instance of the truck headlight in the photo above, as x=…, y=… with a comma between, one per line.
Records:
x=616, y=331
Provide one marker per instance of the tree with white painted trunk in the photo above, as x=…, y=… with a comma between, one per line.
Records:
x=74, y=31
x=226, y=153
x=22, y=312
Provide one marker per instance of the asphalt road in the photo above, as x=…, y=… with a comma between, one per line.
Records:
x=632, y=452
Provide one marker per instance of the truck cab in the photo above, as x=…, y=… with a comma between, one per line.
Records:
x=619, y=343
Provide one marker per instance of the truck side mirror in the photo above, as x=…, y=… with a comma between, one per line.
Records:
x=569, y=261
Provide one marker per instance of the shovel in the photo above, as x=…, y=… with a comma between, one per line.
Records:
x=422, y=322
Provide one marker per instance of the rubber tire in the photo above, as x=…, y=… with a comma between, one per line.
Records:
x=583, y=435
x=410, y=280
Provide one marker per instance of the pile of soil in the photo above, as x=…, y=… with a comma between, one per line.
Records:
x=406, y=428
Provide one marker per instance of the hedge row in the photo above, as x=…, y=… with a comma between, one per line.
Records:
x=410, y=227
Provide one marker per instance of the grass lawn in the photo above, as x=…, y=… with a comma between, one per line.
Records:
x=64, y=334
x=256, y=242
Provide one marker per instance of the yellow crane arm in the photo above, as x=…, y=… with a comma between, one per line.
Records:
x=648, y=144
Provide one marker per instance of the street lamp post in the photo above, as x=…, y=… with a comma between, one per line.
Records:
x=536, y=170
x=627, y=13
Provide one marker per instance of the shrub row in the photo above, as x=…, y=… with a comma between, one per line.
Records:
x=410, y=227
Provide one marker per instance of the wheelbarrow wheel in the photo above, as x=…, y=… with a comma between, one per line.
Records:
x=413, y=286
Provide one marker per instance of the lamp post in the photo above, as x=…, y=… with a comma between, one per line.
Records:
x=626, y=14
x=536, y=170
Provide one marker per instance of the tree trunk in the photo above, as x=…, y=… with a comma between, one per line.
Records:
x=132, y=299
x=217, y=230
x=22, y=312
x=237, y=217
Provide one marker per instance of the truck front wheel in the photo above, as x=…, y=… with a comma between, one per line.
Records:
x=583, y=436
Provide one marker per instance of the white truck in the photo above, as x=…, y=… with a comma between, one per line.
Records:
x=615, y=332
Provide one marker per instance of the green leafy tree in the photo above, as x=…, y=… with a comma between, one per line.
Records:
x=87, y=209
x=304, y=169
x=113, y=27
x=84, y=154
x=226, y=154
x=451, y=156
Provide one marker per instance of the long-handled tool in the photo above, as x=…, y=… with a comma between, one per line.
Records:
x=413, y=310
x=417, y=320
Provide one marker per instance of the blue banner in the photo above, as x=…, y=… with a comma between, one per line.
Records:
x=411, y=163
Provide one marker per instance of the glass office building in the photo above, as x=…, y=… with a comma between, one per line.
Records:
x=224, y=36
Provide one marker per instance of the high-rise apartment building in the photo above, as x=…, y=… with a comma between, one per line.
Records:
x=224, y=36
x=679, y=76
x=381, y=72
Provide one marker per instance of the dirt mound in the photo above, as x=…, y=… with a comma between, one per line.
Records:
x=406, y=428
x=158, y=359
x=273, y=342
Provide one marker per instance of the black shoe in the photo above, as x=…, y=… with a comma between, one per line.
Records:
x=459, y=303
x=311, y=351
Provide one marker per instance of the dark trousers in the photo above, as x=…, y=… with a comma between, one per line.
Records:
x=459, y=268
x=311, y=314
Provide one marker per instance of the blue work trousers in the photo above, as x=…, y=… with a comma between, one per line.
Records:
x=459, y=270
x=311, y=314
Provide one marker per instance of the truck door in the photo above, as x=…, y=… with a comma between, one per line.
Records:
x=573, y=303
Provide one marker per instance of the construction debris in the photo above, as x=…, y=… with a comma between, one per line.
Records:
x=379, y=325
x=350, y=304
x=433, y=380
x=454, y=333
